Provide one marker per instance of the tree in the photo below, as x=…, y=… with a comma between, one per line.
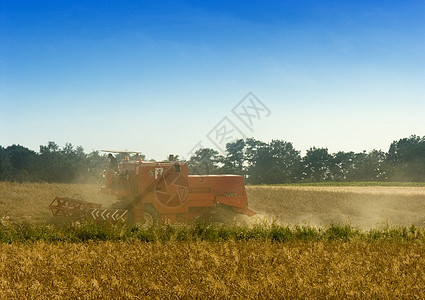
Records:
x=51, y=147
x=235, y=158
x=204, y=161
x=287, y=161
x=317, y=164
x=276, y=162
x=406, y=159
x=21, y=163
x=342, y=165
x=95, y=164
x=5, y=166
x=62, y=165
x=253, y=148
x=368, y=166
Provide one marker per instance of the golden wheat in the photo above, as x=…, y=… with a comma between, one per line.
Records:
x=212, y=270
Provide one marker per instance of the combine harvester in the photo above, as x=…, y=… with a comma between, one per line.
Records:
x=158, y=192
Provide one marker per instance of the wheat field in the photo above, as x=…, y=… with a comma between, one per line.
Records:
x=245, y=269
x=29, y=202
x=241, y=270
x=358, y=206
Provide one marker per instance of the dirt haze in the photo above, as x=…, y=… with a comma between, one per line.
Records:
x=363, y=207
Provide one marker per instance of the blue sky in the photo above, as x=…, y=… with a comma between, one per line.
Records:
x=158, y=76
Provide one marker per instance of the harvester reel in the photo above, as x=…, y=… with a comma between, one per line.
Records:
x=172, y=190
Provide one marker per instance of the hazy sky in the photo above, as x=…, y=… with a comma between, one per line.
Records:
x=161, y=76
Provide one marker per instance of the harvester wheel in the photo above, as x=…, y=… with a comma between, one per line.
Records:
x=150, y=217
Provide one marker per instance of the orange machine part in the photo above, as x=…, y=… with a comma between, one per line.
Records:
x=227, y=189
x=174, y=194
x=222, y=186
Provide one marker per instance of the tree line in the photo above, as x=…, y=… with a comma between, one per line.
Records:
x=50, y=164
x=260, y=162
x=279, y=162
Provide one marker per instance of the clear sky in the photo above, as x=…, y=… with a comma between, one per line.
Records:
x=161, y=76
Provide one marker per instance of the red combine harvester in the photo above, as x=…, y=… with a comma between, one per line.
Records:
x=150, y=192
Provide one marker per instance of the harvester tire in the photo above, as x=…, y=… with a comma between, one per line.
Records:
x=150, y=216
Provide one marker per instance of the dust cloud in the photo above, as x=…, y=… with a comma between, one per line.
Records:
x=361, y=207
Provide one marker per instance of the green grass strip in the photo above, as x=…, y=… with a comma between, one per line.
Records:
x=83, y=232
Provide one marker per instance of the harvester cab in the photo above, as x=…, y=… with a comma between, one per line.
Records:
x=150, y=192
